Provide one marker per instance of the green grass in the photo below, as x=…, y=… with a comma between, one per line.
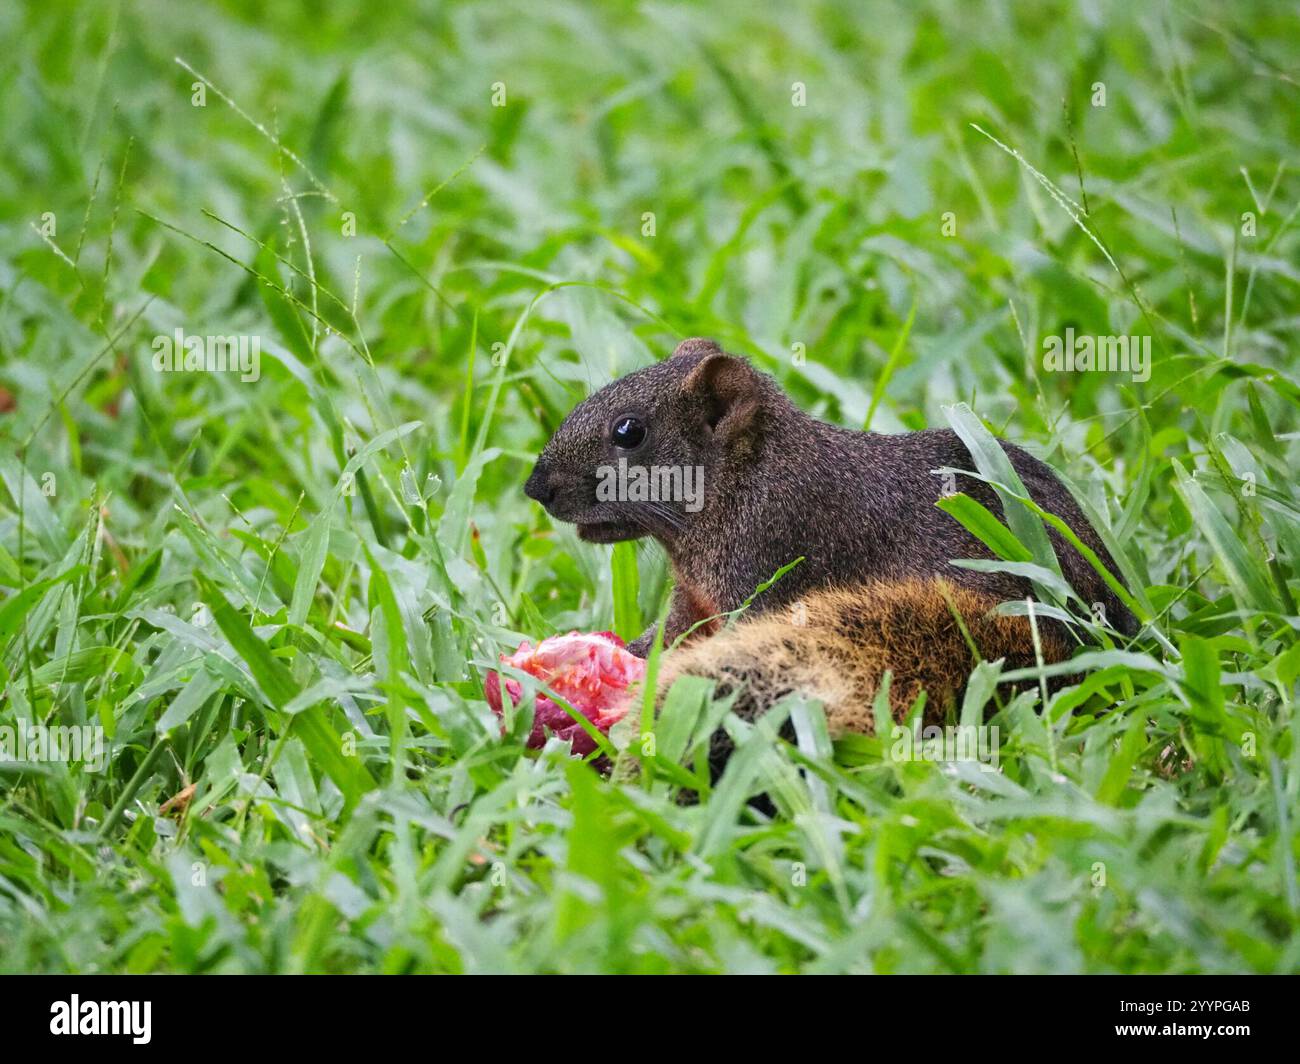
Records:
x=282, y=593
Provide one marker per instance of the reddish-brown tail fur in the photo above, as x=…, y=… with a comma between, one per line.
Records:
x=835, y=646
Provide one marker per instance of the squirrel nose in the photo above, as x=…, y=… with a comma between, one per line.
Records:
x=538, y=486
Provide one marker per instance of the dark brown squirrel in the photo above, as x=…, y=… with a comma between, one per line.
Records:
x=876, y=589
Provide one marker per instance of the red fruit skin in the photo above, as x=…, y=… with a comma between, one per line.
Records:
x=590, y=670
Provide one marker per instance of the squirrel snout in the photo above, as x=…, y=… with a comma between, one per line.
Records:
x=538, y=486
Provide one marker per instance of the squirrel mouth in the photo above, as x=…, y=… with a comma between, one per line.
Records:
x=606, y=531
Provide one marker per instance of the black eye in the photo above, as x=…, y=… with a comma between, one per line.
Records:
x=628, y=432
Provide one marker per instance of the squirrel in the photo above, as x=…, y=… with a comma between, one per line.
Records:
x=875, y=589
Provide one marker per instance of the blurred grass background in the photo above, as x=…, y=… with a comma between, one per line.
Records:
x=449, y=222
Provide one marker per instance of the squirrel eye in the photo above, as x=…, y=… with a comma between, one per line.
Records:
x=628, y=433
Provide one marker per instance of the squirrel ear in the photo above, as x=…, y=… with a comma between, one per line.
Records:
x=696, y=347
x=730, y=392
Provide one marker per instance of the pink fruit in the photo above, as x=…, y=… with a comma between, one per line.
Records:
x=590, y=670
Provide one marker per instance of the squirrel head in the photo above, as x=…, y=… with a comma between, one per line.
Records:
x=639, y=457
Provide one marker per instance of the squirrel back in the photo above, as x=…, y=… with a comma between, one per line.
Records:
x=708, y=456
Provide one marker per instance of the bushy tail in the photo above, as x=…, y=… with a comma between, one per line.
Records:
x=836, y=645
